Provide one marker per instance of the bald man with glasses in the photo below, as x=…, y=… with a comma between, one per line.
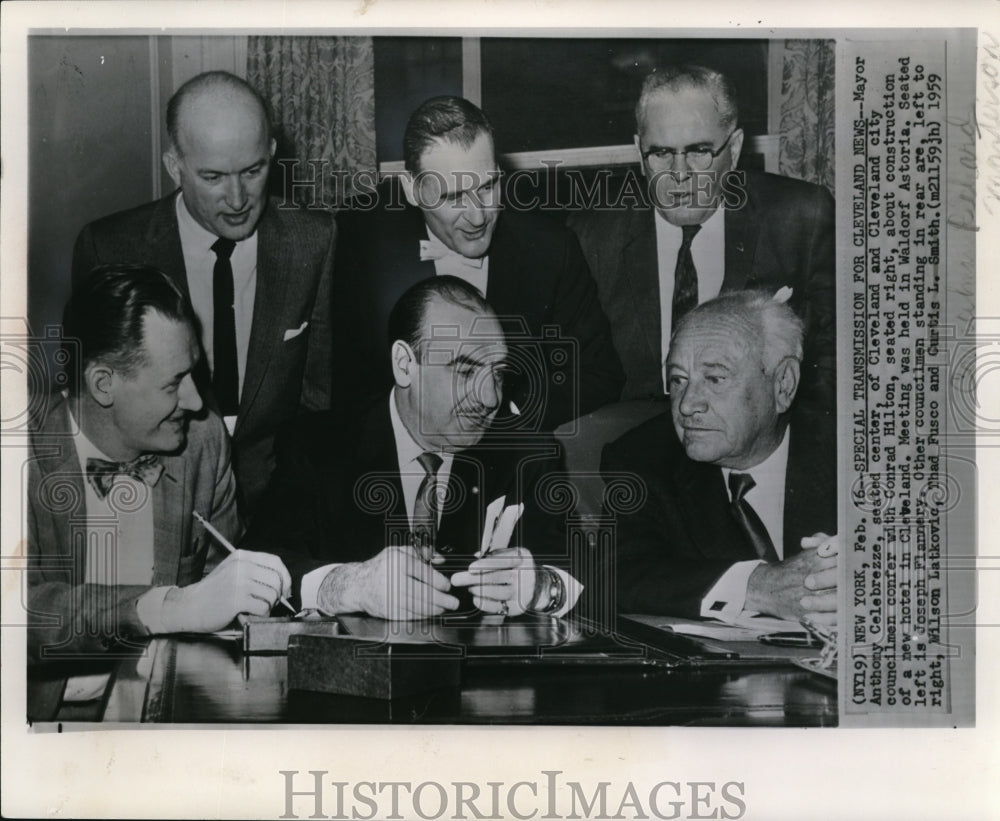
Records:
x=706, y=229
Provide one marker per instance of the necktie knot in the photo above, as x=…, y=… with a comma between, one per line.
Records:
x=430, y=462
x=688, y=233
x=223, y=247
x=101, y=472
x=740, y=484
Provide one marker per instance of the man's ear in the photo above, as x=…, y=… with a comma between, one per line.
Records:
x=100, y=382
x=274, y=147
x=403, y=360
x=736, y=147
x=173, y=165
x=407, y=183
x=786, y=383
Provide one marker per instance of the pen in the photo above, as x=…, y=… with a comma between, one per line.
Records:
x=228, y=545
x=790, y=639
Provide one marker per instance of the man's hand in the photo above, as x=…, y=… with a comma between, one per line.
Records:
x=245, y=582
x=395, y=585
x=802, y=585
x=501, y=577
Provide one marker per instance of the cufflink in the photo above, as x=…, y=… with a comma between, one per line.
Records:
x=445, y=549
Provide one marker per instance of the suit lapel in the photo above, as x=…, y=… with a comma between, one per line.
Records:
x=58, y=464
x=460, y=532
x=810, y=486
x=163, y=241
x=742, y=229
x=640, y=269
x=275, y=256
x=171, y=519
x=705, y=510
x=503, y=281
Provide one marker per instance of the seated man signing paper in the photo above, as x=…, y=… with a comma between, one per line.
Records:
x=120, y=462
x=400, y=513
x=741, y=487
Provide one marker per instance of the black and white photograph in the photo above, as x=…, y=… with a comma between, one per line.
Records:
x=471, y=420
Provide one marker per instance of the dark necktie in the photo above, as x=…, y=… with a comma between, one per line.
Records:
x=226, y=376
x=425, y=509
x=685, y=277
x=101, y=473
x=739, y=485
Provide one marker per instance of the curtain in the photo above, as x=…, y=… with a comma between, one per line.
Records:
x=322, y=91
x=808, y=93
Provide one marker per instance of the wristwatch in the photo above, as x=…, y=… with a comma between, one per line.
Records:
x=550, y=589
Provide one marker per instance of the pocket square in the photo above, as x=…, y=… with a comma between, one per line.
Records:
x=291, y=333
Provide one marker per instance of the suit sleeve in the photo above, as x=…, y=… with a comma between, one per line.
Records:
x=651, y=573
x=68, y=620
x=318, y=377
x=579, y=313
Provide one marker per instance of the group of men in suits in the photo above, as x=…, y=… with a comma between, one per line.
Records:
x=396, y=473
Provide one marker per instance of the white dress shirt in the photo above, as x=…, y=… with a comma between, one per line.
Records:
x=708, y=250
x=474, y=271
x=767, y=498
x=199, y=263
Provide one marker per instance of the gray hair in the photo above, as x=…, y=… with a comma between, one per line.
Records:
x=676, y=77
x=770, y=322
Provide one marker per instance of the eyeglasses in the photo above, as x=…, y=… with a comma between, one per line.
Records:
x=697, y=159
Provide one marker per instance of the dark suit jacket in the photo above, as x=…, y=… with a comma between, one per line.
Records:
x=676, y=546
x=784, y=235
x=336, y=496
x=294, y=267
x=537, y=278
x=70, y=620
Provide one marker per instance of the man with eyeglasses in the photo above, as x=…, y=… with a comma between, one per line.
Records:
x=416, y=512
x=706, y=229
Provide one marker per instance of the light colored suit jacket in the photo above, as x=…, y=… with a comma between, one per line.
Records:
x=285, y=370
x=72, y=621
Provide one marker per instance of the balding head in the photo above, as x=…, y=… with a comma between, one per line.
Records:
x=220, y=150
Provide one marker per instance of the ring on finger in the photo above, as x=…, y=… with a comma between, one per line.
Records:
x=504, y=608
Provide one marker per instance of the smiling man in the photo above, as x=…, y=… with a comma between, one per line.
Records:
x=707, y=229
x=741, y=483
x=444, y=215
x=120, y=462
x=257, y=275
x=391, y=517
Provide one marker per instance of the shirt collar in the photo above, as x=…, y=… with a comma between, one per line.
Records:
x=709, y=227
x=407, y=449
x=770, y=472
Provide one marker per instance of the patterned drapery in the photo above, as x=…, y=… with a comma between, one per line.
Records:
x=322, y=90
x=808, y=93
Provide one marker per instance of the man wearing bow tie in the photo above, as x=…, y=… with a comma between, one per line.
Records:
x=741, y=484
x=401, y=515
x=444, y=215
x=120, y=463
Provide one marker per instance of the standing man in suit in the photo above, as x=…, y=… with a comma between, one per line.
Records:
x=444, y=216
x=741, y=489
x=707, y=229
x=119, y=464
x=258, y=275
x=394, y=518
